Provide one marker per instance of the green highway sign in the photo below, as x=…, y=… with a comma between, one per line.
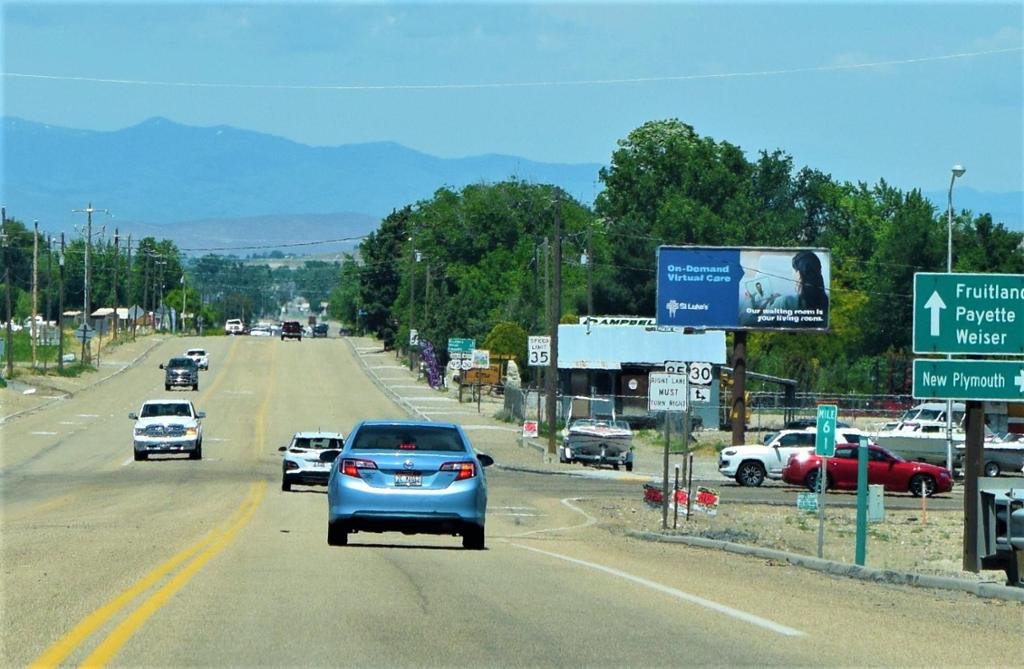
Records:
x=991, y=380
x=825, y=435
x=969, y=313
x=461, y=345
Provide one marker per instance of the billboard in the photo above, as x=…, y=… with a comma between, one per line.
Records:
x=744, y=288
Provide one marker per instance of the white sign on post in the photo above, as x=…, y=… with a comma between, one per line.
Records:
x=481, y=358
x=667, y=392
x=675, y=367
x=538, y=351
x=700, y=373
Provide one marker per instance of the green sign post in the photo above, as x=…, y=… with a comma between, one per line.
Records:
x=825, y=446
x=969, y=313
x=989, y=380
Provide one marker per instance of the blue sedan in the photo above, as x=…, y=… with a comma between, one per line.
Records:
x=408, y=476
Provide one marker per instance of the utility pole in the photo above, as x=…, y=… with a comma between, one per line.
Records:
x=412, y=297
x=590, y=275
x=145, y=286
x=183, y=300
x=33, y=327
x=7, y=288
x=547, y=325
x=117, y=260
x=127, y=281
x=556, y=315
x=426, y=298
x=60, y=309
x=49, y=286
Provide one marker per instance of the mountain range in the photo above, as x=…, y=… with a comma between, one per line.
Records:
x=220, y=187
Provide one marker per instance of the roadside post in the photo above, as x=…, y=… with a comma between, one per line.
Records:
x=667, y=393
x=481, y=360
x=825, y=447
x=538, y=351
x=689, y=486
x=862, y=501
x=675, y=501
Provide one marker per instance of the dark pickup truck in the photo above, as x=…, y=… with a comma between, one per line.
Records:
x=291, y=330
x=181, y=372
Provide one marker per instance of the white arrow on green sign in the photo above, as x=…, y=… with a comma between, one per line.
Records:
x=969, y=313
x=992, y=380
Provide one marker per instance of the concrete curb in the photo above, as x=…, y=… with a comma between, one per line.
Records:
x=395, y=397
x=989, y=590
x=139, y=358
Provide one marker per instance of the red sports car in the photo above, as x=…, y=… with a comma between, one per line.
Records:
x=884, y=467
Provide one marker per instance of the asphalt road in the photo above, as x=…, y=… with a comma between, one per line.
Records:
x=172, y=562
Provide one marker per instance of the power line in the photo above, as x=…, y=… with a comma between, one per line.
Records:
x=507, y=85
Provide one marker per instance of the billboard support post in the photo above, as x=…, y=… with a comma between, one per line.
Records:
x=739, y=387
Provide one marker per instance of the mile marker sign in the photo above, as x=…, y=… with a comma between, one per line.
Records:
x=825, y=435
x=969, y=313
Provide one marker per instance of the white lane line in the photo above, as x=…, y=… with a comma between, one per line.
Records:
x=391, y=378
x=386, y=367
x=127, y=462
x=44, y=433
x=678, y=594
x=514, y=514
x=67, y=422
x=429, y=399
x=216, y=439
x=408, y=387
x=449, y=413
x=88, y=415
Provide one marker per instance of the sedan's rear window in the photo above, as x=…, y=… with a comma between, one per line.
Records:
x=408, y=438
x=318, y=443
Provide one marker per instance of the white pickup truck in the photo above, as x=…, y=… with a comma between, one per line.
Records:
x=751, y=464
x=168, y=426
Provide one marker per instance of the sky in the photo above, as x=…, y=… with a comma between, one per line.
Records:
x=860, y=90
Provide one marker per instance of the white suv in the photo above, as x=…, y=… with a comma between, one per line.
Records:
x=234, y=326
x=200, y=356
x=750, y=464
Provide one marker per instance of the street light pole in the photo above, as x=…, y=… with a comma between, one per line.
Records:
x=957, y=171
x=88, y=247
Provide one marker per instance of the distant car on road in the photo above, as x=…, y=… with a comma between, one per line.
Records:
x=319, y=330
x=260, y=331
x=408, y=476
x=181, y=371
x=234, y=326
x=307, y=459
x=168, y=426
x=291, y=330
x=201, y=357
x=884, y=467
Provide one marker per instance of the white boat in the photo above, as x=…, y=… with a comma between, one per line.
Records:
x=598, y=441
x=920, y=434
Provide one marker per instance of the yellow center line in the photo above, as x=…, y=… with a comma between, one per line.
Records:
x=224, y=366
x=121, y=634
x=40, y=508
x=67, y=644
x=130, y=625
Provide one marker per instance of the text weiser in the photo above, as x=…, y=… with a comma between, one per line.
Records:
x=969, y=313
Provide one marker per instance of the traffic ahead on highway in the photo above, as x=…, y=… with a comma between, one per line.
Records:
x=325, y=481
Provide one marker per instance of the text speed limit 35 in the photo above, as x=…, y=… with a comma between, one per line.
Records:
x=538, y=351
x=700, y=373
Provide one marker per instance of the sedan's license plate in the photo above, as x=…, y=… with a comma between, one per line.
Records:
x=408, y=480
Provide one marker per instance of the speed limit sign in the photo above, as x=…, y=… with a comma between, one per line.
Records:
x=700, y=373
x=538, y=351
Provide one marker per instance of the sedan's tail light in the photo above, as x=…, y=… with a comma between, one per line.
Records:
x=351, y=467
x=466, y=470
